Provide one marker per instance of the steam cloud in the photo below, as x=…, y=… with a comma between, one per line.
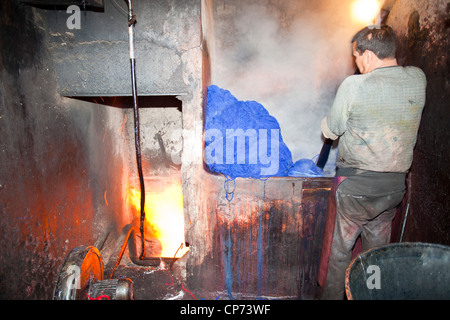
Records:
x=290, y=56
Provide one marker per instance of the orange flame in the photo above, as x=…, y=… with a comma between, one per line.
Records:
x=164, y=219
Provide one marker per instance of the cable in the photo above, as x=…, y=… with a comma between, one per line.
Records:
x=131, y=22
x=175, y=255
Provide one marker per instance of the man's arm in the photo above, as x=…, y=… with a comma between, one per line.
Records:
x=335, y=123
x=326, y=130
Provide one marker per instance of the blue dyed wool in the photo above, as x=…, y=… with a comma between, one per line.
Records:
x=224, y=111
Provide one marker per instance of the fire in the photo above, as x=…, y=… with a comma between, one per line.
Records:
x=365, y=11
x=164, y=218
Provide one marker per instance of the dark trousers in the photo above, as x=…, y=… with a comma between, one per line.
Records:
x=365, y=206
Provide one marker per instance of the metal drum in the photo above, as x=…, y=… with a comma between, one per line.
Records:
x=401, y=271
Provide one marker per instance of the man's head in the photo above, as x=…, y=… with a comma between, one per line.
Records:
x=374, y=46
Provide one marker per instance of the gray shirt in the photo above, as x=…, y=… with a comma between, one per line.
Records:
x=377, y=116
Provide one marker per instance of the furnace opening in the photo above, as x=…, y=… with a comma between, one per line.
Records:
x=164, y=218
x=161, y=148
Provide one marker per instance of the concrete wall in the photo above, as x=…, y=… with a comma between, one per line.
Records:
x=423, y=30
x=94, y=60
x=67, y=163
x=60, y=176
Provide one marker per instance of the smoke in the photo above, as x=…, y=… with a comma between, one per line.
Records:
x=290, y=56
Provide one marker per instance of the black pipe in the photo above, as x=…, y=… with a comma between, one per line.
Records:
x=323, y=156
x=131, y=22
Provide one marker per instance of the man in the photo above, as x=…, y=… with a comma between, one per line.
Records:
x=376, y=116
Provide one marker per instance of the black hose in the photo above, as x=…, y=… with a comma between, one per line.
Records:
x=138, y=159
x=137, y=139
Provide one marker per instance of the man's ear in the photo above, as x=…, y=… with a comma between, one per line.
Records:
x=368, y=56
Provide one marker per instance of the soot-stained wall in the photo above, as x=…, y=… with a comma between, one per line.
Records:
x=59, y=179
x=423, y=28
x=67, y=163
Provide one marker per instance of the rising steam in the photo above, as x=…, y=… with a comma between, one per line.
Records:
x=289, y=56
